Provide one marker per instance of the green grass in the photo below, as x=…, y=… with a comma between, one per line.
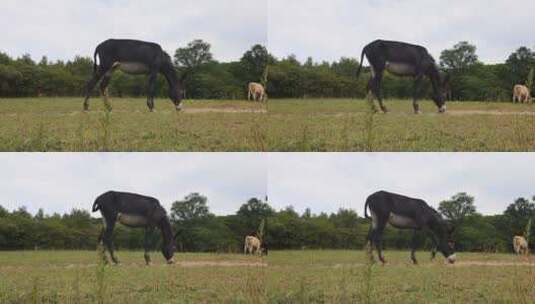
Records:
x=346, y=125
x=75, y=277
x=310, y=276
x=330, y=276
x=58, y=124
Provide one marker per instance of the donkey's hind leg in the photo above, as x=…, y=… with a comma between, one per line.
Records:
x=89, y=87
x=101, y=249
x=107, y=238
x=104, y=89
x=151, y=90
x=369, y=245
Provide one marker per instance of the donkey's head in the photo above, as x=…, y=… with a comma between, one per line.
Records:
x=169, y=246
x=446, y=244
x=175, y=84
x=168, y=251
x=175, y=94
x=439, y=83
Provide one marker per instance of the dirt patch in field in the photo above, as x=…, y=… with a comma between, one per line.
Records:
x=449, y=112
x=222, y=110
x=457, y=264
x=487, y=112
x=189, y=264
x=220, y=264
x=187, y=111
x=492, y=263
x=470, y=112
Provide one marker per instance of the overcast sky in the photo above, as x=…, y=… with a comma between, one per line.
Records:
x=62, y=29
x=327, y=30
x=329, y=181
x=58, y=182
x=325, y=182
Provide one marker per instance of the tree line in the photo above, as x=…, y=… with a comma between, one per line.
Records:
x=206, y=78
x=203, y=77
x=470, y=79
x=199, y=230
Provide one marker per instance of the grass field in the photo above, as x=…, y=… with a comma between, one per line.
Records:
x=319, y=276
x=347, y=125
x=347, y=277
x=76, y=277
x=58, y=124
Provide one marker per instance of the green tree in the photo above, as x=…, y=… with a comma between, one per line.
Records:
x=460, y=57
x=4, y=58
x=346, y=67
x=521, y=208
x=190, y=61
x=253, y=212
x=519, y=64
x=254, y=63
x=194, y=55
x=519, y=213
x=460, y=206
x=531, y=78
x=192, y=207
x=345, y=218
x=10, y=79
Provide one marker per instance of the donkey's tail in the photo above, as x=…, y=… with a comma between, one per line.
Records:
x=366, y=209
x=361, y=60
x=95, y=65
x=96, y=206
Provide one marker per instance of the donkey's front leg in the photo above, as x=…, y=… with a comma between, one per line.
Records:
x=152, y=90
x=146, y=245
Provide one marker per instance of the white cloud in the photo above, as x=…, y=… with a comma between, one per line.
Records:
x=58, y=182
x=62, y=29
x=328, y=30
x=326, y=182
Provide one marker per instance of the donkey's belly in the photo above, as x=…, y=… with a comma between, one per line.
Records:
x=400, y=69
x=132, y=67
x=132, y=220
x=402, y=222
